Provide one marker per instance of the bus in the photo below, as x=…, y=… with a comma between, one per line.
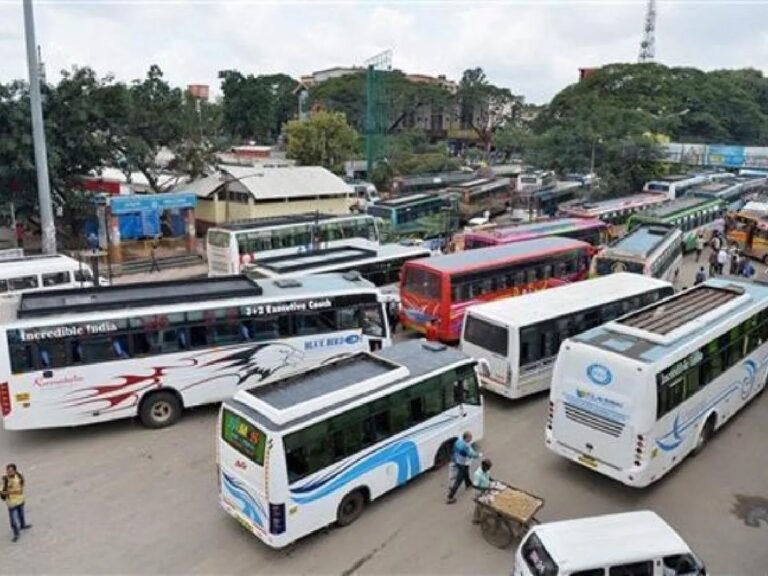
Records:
x=316, y=448
x=72, y=357
x=538, y=179
x=25, y=274
x=650, y=250
x=594, y=232
x=615, y=211
x=435, y=292
x=631, y=399
x=692, y=214
x=549, y=200
x=675, y=186
x=519, y=337
x=748, y=229
x=430, y=182
x=476, y=197
x=229, y=247
x=381, y=267
x=425, y=215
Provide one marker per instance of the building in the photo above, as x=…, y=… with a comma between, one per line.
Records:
x=245, y=192
x=114, y=181
x=321, y=76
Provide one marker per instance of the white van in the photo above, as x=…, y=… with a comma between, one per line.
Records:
x=628, y=544
x=46, y=272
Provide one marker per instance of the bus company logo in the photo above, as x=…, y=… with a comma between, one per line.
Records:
x=331, y=342
x=599, y=374
x=67, y=381
x=72, y=331
x=352, y=339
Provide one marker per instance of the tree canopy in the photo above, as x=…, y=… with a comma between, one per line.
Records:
x=325, y=139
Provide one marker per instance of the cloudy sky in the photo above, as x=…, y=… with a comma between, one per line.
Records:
x=533, y=47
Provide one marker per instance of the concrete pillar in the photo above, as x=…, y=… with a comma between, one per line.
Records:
x=113, y=238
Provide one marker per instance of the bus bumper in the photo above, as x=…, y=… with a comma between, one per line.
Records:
x=634, y=477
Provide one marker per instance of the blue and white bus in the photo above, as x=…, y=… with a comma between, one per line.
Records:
x=632, y=398
x=314, y=449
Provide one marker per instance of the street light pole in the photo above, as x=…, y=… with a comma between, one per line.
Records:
x=47, y=226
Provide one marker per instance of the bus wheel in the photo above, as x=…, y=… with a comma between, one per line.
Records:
x=160, y=409
x=706, y=433
x=443, y=455
x=350, y=508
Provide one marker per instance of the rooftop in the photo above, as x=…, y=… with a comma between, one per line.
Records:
x=499, y=255
x=678, y=205
x=648, y=335
x=616, y=536
x=617, y=203
x=643, y=240
x=306, y=217
x=287, y=182
x=342, y=382
x=547, y=227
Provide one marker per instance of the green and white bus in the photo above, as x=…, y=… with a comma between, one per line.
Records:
x=691, y=214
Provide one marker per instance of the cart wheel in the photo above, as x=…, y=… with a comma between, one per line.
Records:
x=496, y=530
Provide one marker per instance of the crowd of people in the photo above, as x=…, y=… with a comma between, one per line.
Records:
x=722, y=259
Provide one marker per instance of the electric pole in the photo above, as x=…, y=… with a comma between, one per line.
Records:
x=47, y=226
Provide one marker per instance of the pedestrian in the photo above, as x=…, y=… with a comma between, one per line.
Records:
x=482, y=482
x=463, y=453
x=722, y=260
x=748, y=270
x=699, y=245
x=713, y=263
x=733, y=253
x=716, y=243
x=13, y=494
x=700, y=276
x=20, y=235
x=93, y=241
x=155, y=267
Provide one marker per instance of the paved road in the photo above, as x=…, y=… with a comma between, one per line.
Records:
x=116, y=498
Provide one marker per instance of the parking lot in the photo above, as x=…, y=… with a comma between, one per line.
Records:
x=117, y=498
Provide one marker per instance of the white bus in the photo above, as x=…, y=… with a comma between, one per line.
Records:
x=314, y=449
x=34, y=273
x=631, y=399
x=630, y=544
x=652, y=250
x=676, y=185
x=72, y=357
x=230, y=247
x=519, y=337
x=380, y=266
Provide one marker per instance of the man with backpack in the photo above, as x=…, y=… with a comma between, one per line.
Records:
x=13, y=494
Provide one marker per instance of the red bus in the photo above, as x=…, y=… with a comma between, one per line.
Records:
x=435, y=292
x=590, y=230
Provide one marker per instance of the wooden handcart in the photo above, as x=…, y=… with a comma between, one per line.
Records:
x=506, y=513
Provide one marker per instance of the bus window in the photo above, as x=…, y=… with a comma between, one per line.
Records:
x=22, y=359
x=96, y=350
x=23, y=283
x=55, y=279
x=3, y=286
x=422, y=282
x=373, y=321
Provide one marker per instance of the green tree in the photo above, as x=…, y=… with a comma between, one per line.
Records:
x=485, y=108
x=326, y=139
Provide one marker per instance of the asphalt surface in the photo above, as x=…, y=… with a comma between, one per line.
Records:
x=117, y=498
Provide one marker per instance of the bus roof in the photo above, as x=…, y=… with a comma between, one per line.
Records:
x=660, y=330
x=38, y=263
x=675, y=206
x=547, y=227
x=643, y=240
x=487, y=257
x=610, y=539
x=268, y=222
x=347, y=255
x=132, y=296
x=612, y=204
x=538, y=306
x=282, y=404
x=399, y=201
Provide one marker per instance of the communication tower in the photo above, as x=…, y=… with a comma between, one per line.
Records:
x=376, y=107
x=648, y=44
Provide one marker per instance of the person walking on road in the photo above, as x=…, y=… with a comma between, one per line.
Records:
x=699, y=245
x=701, y=276
x=155, y=267
x=13, y=494
x=713, y=263
x=482, y=482
x=463, y=453
x=722, y=260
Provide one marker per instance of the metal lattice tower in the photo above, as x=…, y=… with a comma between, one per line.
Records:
x=376, y=107
x=648, y=45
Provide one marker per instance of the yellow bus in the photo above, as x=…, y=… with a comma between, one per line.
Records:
x=749, y=231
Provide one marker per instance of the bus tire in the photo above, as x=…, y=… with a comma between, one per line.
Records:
x=160, y=409
x=443, y=454
x=704, y=436
x=351, y=508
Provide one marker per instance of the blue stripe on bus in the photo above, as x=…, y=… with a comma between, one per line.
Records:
x=248, y=504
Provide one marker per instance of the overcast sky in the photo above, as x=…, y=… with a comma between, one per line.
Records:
x=534, y=47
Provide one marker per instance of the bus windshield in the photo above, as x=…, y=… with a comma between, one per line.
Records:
x=486, y=335
x=218, y=238
x=422, y=282
x=605, y=266
x=243, y=436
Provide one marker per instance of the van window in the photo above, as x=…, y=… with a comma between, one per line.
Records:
x=537, y=558
x=683, y=565
x=23, y=283
x=634, y=569
x=55, y=279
